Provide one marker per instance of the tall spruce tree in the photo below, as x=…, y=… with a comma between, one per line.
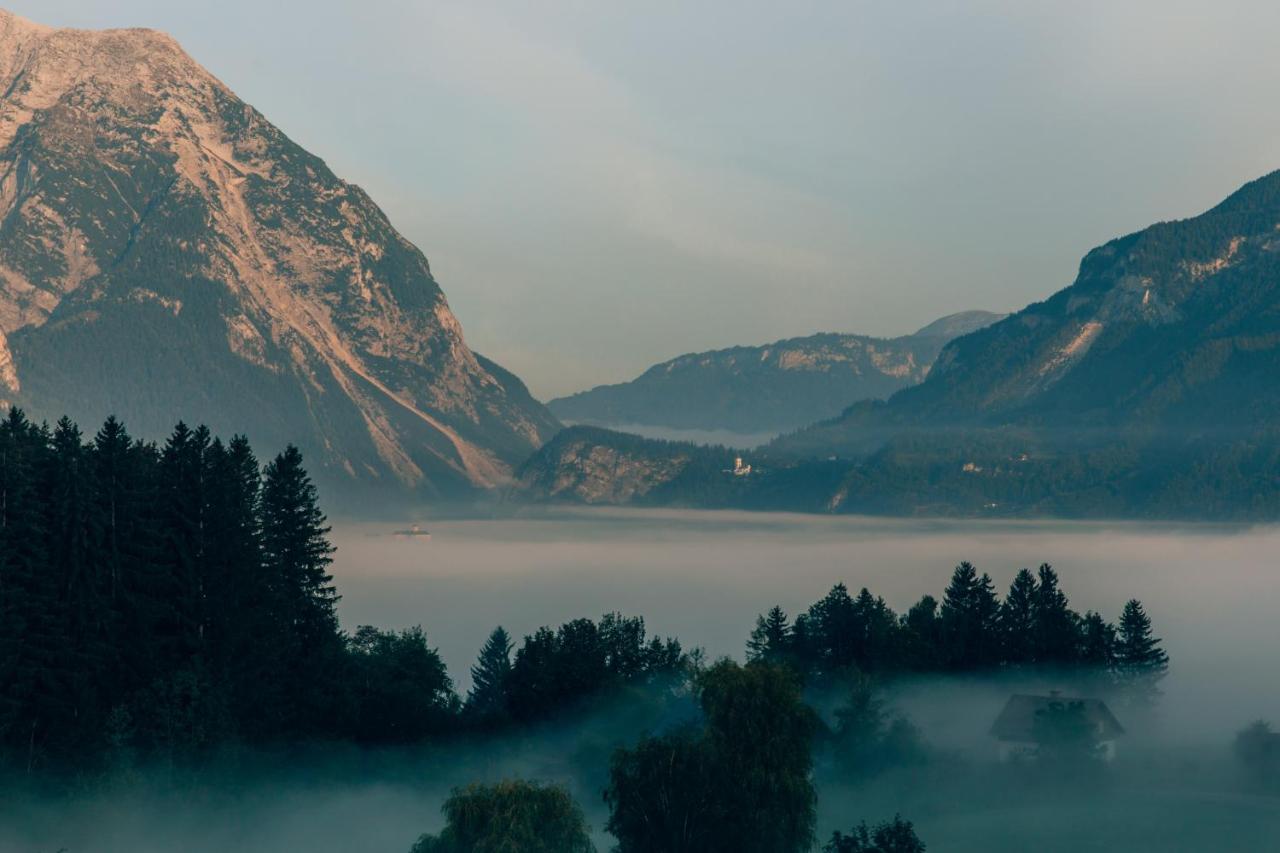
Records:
x=1018, y=620
x=488, y=700
x=876, y=648
x=969, y=620
x=835, y=631
x=1140, y=660
x=184, y=539
x=1057, y=626
x=922, y=636
x=770, y=639
x=239, y=597
x=297, y=554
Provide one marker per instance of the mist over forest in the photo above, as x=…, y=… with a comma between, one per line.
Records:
x=878, y=665
x=850, y=591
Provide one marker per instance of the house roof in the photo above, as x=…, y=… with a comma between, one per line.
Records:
x=1017, y=721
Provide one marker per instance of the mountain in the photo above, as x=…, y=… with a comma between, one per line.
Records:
x=1146, y=388
x=592, y=465
x=779, y=386
x=1170, y=332
x=166, y=251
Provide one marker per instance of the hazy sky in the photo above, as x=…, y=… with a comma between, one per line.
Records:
x=600, y=186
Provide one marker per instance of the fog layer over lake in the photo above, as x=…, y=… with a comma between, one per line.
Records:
x=1212, y=591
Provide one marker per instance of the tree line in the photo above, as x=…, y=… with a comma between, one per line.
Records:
x=159, y=602
x=162, y=598
x=971, y=631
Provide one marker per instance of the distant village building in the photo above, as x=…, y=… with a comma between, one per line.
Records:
x=1020, y=728
x=415, y=532
x=739, y=469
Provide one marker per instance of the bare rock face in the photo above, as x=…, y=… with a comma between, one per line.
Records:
x=589, y=465
x=166, y=252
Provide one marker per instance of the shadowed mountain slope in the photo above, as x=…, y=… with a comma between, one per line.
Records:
x=779, y=386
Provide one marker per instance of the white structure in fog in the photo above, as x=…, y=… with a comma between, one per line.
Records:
x=415, y=532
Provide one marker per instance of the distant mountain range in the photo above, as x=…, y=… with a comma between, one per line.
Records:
x=774, y=388
x=166, y=252
x=1146, y=388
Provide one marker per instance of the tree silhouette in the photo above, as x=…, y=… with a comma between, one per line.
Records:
x=487, y=700
x=1140, y=661
x=770, y=639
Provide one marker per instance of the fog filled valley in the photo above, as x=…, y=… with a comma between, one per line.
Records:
x=1175, y=784
x=289, y=563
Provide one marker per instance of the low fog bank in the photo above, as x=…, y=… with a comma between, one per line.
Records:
x=703, y=577
x=1160, y=793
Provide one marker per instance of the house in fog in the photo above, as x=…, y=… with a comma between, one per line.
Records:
x=1029, y=724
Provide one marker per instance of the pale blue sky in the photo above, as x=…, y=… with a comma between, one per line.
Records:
x=604, y=185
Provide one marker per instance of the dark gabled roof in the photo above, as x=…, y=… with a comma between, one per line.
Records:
x=1017, y=721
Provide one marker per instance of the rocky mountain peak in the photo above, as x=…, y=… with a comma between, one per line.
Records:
x=144, y=204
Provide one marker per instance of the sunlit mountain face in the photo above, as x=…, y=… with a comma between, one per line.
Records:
x=167, y=252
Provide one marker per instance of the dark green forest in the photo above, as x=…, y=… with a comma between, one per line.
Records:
x=162, y=604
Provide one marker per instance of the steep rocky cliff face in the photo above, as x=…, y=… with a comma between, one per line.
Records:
x=779, y=386
x=166, y=252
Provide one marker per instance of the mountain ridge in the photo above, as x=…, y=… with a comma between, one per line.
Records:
x=775, y=386
x=1146, y=388
x=166, y=251
x=1170, y=310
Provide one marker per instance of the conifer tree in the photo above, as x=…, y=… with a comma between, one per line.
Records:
x=295, y=542
x=1017, y=619
x=184, y=540
x=30, y=617
x=1097, y=643
x=487, y=700
x=860, y=725
x=1057, y=627
x=83, y=652
x=876, y=646
x=771, y=637
x=240, y=604
x=922, y=635
x=297, y=554
x=836, y=630
x=1140, y=661
x=969, y=618
x=115, y=493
